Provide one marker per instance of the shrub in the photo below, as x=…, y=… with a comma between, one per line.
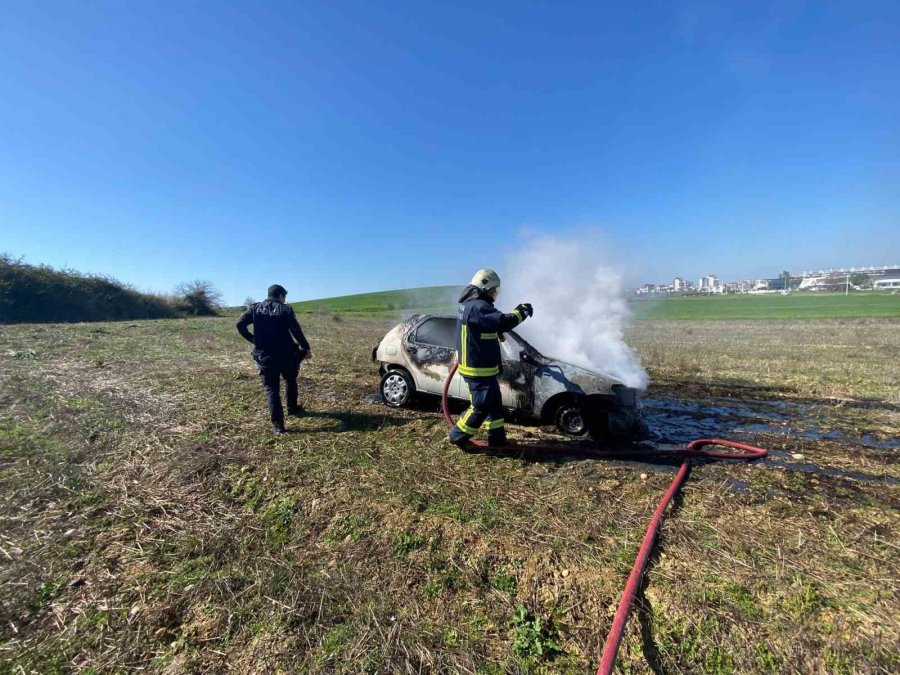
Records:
x=40, y=293
x=198, y=298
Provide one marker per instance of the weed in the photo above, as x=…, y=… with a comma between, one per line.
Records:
x=804, y=599
x=335, y=639
x=451, y=638
x=837, y=664
x=744, y=599
x=432, y=589
x=533, y=640
x=766, y=660
x=192, y=571
x=249, y=491
x=407, y=542
x=505, y=582
x=44, y=593
x=350, y=528
x=279, y=515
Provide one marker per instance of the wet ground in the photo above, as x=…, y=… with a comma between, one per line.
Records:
x=679, y=421
x=771, y=423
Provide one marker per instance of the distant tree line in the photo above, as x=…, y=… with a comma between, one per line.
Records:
x=41, y=294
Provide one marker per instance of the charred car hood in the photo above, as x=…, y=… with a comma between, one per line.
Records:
x=553, y=376
x=581, y=379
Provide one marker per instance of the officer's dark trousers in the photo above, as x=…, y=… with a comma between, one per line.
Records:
x=272, y=369
x=486, y=410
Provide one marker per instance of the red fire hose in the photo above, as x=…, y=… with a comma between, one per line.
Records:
x=693, y=449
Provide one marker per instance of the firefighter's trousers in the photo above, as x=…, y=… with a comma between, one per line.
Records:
x=486, y=412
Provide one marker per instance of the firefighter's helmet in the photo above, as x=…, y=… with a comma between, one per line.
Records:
x=486, y=280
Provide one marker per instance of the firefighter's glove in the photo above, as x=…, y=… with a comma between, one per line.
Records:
x=525, y=309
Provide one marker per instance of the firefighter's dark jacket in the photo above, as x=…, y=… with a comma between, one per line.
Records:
x=275, y=327
x=478, y=328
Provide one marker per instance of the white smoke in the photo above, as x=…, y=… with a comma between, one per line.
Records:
x=580, y=312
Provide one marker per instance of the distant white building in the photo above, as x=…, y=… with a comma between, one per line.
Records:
x=709, y=284
x=678, y=285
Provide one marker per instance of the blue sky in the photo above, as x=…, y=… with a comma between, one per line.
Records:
x=351, y=146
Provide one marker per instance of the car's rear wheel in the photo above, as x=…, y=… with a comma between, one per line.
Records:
x=397, y=388
x=571, y=420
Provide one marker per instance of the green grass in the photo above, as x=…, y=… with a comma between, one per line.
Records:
x=428, y=299
x=151, y=519
x=442, y=299
x=771, y=306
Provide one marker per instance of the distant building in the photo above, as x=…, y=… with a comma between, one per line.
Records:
x=678, y=285
x=709, y=284
x=842, y=278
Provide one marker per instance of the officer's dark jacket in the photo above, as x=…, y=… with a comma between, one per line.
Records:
x=275, y=328
x=478, y=328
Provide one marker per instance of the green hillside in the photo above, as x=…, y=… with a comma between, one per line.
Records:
x=428, y=299
x=442, y=299
x=771, y=306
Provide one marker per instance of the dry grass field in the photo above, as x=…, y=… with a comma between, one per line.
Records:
x=150, y=522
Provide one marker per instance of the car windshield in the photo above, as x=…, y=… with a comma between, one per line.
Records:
x=510, y=347
x=516, y=343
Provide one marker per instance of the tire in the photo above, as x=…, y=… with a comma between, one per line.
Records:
x=597, y=418
x=396, y=388
x=571, y=420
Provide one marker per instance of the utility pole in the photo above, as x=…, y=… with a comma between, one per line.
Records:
x=847, y=289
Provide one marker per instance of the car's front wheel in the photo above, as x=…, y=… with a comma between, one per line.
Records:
x=571, y=420
x=397, y=388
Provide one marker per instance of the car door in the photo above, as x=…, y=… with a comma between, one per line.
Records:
x=517, y=379
x=431, y=347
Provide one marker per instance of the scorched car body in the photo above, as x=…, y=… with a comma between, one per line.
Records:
x=415, y=357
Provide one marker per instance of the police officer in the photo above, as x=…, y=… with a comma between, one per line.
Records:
x=479, y=329
x=279, y=347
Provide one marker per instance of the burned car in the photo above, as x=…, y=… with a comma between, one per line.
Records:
x=415, y=357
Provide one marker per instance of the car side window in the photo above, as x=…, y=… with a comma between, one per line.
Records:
x=438, y=332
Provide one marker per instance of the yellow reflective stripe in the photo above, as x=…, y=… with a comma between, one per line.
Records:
x=466, y=371
x=518, y=315
x=493, y=424
x=465, y=428
x=464, y=337
x=467, y=415
x=489, y=336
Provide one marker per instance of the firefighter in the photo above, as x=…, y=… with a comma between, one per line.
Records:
x=479, y=329
x=279, y=347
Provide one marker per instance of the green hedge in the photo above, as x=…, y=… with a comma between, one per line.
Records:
x=36, y=294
